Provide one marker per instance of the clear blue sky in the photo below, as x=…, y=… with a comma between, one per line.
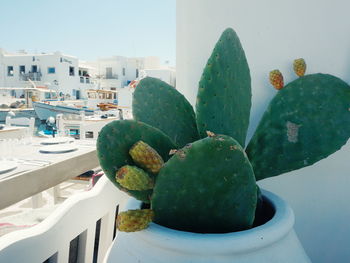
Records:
x=90, y=29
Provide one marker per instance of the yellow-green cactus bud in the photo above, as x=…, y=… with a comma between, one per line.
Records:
x=146, y=157
x=299, y=67
x=276, y=79
x=133, y=178
x=134, y=220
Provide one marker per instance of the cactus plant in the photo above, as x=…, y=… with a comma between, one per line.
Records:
x=209, y=185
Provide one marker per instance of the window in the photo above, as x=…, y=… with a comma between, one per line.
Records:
x=88, y=80
x=34, y=69
x=114, y=94
x=51, y=70
x=10, y=71
x=109, y=73
x=137, y=73
x=81, y=79
x=123, y=71
x=22, y=69
x=71, y=71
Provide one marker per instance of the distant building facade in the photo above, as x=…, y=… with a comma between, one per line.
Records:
x=117, y=72
x=71, y=77
x=57, y=71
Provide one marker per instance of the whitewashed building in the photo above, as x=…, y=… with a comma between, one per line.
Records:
x=63, y=73
x=166, y=74
x=115, y=73
x=71, y=77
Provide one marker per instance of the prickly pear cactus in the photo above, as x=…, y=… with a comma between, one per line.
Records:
x=307, y=120
x=162, y=106
x=117, y=138
x=208, y=186
x=224, y=93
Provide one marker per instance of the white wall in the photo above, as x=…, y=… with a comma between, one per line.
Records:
x=165, y=74
x=273, y=33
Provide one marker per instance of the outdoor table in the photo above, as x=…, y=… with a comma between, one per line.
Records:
x=38, y=171
x=12, y=132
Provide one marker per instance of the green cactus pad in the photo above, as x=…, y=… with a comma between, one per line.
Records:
x=307, y=120
x=115, y=141
x=206, y=187
x=224, y=94
x=162, y=106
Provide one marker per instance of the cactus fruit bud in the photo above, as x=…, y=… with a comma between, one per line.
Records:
x=276, y=79
x=299, y=67
x=133, y=178
x=146, y=157
x=134, y=220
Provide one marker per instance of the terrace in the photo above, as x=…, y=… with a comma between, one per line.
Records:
x=273, y=34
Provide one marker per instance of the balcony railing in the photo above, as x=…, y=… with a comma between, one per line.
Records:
x=34, y=76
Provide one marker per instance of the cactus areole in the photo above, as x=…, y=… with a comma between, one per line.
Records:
x=191, y=166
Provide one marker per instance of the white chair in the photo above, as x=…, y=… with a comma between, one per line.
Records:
x=70, y=231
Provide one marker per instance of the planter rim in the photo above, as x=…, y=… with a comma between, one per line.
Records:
x=222, y=243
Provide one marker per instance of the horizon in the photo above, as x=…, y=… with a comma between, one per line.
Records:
x=115, y=30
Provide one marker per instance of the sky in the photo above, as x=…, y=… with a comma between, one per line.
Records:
x=90, y=29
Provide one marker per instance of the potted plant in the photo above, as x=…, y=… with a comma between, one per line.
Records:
x=195, y=180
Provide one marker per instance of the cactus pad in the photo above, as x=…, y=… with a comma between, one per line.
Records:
x=307, y=120
x=224, y=94
x=115, y=141
x=208, y=186
x=162, y=106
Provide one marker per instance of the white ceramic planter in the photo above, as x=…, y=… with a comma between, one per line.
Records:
x=275, y=241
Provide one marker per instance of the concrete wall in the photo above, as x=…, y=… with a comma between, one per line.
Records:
x=273, y=33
